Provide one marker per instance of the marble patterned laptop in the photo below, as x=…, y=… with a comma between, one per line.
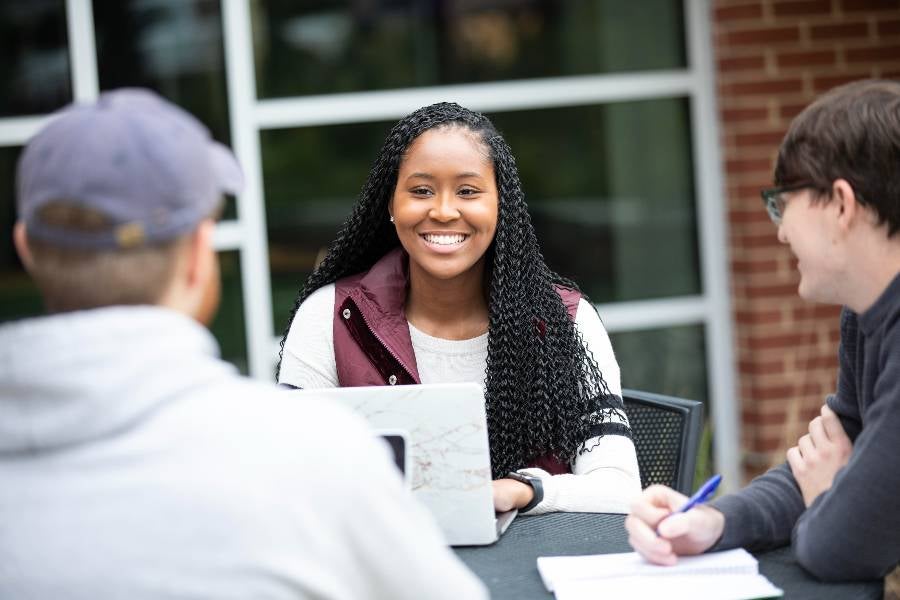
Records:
x=450, y=468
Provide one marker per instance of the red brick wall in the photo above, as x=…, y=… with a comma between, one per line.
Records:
x=773, y=57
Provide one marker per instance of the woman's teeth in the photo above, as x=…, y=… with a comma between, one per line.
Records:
x=444, y=240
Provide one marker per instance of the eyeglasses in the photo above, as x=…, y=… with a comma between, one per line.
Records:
x=773, y=199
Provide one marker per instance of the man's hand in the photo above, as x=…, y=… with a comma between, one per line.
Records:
x=818, y=455
x=692, y=532
x=510, y=494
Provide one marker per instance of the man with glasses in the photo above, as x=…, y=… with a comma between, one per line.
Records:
x=837, y=497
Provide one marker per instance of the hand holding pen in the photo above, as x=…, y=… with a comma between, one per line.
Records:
x=664, y=524
x=700, y=496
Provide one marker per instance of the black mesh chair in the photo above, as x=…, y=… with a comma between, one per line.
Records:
x=666, y=433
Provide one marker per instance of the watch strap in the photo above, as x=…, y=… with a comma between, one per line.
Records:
x=536, y=485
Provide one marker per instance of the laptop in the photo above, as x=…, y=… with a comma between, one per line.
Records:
x=446, y=446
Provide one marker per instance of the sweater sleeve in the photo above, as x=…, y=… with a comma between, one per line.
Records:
x=308, y=359
x=852, y=531
x=763, y=514
x=605, y=477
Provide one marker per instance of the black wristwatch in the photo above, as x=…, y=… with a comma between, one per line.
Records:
x=536, y=485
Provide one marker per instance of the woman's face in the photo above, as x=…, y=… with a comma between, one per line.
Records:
x=445, y=203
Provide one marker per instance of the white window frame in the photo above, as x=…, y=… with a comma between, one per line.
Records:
x=249, y=116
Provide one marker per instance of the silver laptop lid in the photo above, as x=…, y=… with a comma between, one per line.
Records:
x=448, y=447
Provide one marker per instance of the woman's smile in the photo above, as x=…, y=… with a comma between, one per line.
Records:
x=444, y=242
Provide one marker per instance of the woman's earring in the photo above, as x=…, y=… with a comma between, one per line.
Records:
x=392, y=218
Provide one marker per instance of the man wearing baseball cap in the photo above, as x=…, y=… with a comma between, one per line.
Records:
x=134, y=463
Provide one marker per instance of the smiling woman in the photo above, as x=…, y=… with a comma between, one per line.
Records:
x=436, y=276
x=445, y=211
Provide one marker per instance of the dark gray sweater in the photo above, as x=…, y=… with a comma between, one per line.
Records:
x=852, y=531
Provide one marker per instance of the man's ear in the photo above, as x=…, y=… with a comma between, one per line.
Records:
x=20, y=241
x=201, y=253
x=847, y=206
x=196, y=267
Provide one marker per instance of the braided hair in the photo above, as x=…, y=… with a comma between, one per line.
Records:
x=544, y=391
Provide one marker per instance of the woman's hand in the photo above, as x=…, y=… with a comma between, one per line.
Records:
x=510, y=494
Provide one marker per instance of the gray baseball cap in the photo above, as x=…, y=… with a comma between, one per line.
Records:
x=148, y=167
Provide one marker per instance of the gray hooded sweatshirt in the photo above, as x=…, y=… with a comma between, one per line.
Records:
x=136, y=464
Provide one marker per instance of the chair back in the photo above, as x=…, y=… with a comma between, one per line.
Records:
x=666, y=432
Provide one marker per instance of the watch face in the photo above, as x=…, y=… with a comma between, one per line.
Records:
x=521, y=478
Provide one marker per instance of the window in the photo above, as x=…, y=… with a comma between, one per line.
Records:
x=34, y=58
x=327, y=47
x=605, y=103
x=20, y=295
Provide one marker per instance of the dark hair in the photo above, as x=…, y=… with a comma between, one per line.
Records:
x=544, y=390
x=852, y=133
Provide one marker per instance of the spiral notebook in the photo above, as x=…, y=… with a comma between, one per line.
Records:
x=733, y=574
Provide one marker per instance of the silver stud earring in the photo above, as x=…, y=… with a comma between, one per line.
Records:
x=392, y=218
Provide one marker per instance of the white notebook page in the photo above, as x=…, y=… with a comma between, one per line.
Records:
x=555, y=569
x=675, y=587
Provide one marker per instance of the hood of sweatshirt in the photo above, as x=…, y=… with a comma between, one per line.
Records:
x=75, y=377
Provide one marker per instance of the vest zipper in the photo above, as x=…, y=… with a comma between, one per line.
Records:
x=383, y=345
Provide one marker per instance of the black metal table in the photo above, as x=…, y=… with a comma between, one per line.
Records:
x=509, y=567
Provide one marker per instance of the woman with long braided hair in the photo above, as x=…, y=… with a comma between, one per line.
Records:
x=436, y=276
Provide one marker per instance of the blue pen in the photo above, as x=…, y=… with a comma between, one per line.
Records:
x=700, y=496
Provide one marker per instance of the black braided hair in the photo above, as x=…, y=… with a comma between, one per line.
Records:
x=544, y=390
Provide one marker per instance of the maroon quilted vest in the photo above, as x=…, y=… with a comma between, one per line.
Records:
x=371, y=335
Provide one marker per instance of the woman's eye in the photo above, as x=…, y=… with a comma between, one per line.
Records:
x=467, y=191
x=420, y=191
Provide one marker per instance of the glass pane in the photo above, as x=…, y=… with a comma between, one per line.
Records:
x=172, y=46
x=670, y=361
x=610, y=190
x=20, y=295
x=312, y=177
x=228, y=326
x=229, y=208
x=611, y=193
x=34, y=57
x=318, y=47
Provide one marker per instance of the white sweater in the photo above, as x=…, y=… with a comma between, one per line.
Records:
x=605, y=479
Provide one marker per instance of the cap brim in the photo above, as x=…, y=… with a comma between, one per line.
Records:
x=228, y=172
